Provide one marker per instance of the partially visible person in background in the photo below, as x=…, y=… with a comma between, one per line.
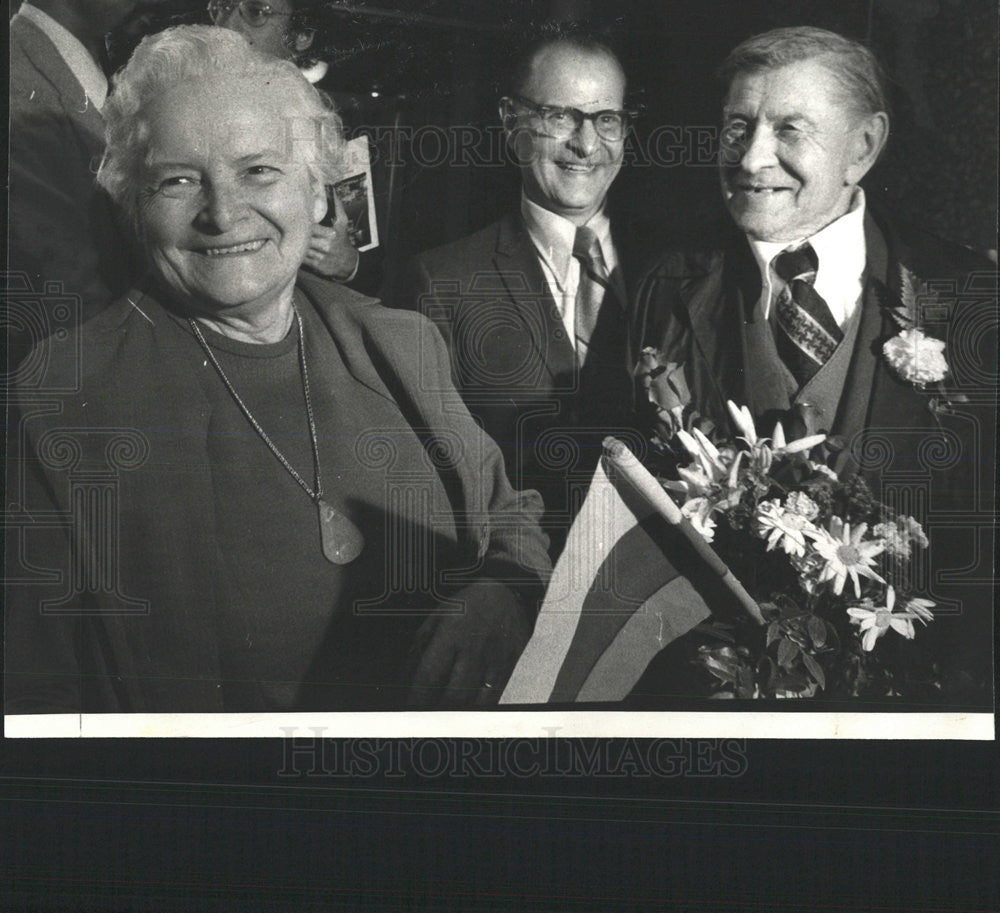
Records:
x=276, y=27
x=287, y=29
x=61, y=226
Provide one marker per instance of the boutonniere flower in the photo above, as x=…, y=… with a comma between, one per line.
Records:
x=916, y=358
x=912, y=354
x=666, y=389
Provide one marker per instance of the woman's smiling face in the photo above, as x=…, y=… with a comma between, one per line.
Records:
x=227, y=203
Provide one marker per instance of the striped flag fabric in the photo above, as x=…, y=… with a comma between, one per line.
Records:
x=615, y=600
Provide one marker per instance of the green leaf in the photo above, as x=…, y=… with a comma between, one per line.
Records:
x=770, y=610
x=720, y=666
x=902, y=317
x=815, y=669
x=817, y=631
x=771, y=674
x=745, y=685
x=798, y=638
x=773, y=632
x=787, y=651
x=909, y=288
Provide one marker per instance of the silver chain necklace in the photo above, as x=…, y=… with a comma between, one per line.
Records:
x=340, y=538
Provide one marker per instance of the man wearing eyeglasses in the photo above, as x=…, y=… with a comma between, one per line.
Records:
x=275, y=27
x=534, y=305
x=62, y=228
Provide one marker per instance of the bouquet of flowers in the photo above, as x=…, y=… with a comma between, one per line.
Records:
x=829, y=565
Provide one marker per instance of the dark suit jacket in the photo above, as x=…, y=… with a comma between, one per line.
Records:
x=514, y=366
x=693, y=305
x=135, y=430
x=62, y=227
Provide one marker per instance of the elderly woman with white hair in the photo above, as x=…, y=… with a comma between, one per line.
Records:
x=262, y=492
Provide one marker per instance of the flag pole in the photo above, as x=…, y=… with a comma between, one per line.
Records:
x=640, y=478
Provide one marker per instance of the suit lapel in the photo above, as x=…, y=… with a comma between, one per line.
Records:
x=170, y=492
x=717, y=302
x=856, y=400
x=87, y=121
x=873, y=397
x=629, y=246
x=516, y=263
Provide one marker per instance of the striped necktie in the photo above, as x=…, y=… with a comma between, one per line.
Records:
x=594, y=283
x=806, y=333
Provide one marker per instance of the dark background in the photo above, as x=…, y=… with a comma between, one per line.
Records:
x=193, y=825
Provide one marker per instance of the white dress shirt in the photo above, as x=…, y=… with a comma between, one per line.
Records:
x=73, y=53
x=553, y=238
x=841, y=250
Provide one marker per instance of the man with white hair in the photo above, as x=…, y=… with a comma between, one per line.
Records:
x=816, y=309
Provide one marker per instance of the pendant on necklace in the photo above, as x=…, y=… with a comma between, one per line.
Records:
x=342, y=540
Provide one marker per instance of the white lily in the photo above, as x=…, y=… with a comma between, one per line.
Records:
x=744, y=421
x=714, y=474
x=921, y=609
x=705, y=453
x=803, y=444
x=699, y=513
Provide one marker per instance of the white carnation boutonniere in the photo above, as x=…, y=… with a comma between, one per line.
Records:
x=912, y=354
x=916, y=357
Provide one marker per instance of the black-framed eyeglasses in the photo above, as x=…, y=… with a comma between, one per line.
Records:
x=561, y=123
x=255, y=13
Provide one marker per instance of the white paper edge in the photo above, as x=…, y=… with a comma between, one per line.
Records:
x=501, y=724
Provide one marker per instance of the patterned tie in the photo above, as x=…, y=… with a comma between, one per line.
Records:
x=594, y=283
x=806, y=334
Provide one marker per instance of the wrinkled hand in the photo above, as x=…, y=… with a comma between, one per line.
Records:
x=330, y=252
x=464, y=658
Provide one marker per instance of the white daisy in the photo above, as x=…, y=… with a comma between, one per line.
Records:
x=874, y=621
x=782, y=527
x=847, y=554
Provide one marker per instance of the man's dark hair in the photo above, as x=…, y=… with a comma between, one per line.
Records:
x=852, y=64
x=557, y=36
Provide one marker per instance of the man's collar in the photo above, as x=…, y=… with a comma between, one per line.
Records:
x=74, y=54
x=553, y=235
x=842, y=242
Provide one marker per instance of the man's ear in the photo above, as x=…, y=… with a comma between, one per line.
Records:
x=871, y=134
x=507, y=116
